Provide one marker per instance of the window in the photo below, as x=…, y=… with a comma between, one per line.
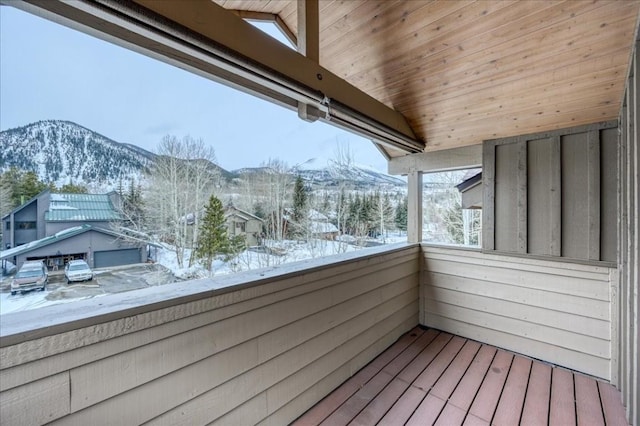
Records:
x=241, y=226
x=8, y=225
x=25, y=225
x=452, y=208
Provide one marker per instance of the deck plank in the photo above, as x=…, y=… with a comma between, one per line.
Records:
x=447, y=383
x=512, y=399
x=468, y=387
x=381, y=404
x=436, y=368
x=487, y=398
x=326, y=406
x=588, y=407
x=422, y=361
x=612, y=405
x=472, y=420
x=536, y=402
x=436, y=378
x=427, y=412
x=409, y=355
x=358, y=401
x=451, y=415
x=562, y=411
x=403, y=408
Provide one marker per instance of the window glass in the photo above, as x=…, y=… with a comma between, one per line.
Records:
x=452, y=208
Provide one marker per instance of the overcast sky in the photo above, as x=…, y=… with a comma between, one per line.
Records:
x=48, y=71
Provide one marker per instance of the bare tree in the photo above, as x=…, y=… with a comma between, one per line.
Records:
x=183, y=177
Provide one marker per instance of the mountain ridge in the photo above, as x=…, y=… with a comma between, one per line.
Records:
x=62, y=151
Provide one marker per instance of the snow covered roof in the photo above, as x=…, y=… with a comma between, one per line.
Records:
x=80, y=207
x=234, y=211
x=316, y=215
x=322, y=228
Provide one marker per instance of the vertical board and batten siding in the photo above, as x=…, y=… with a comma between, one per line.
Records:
x=556, y=311
x=627, y=295
x=552, y=193
x=255, y=353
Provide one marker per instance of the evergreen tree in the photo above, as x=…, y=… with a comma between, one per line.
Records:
x=71, y=188
x=401, y=214
x=300, y=207
x=213, y=239
x=27, y=186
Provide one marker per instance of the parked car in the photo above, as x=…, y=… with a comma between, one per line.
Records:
x=31, y=275
x=78, y=270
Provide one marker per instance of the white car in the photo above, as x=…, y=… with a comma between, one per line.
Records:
x=78, y=270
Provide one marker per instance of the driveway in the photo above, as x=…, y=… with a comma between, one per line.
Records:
x=106, y=281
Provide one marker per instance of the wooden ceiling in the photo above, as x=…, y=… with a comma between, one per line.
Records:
x=465, y=71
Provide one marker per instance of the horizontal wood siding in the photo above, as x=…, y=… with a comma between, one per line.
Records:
x=258, y=354
x=554, y=311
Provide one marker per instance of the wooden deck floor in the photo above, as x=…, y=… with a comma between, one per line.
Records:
x=431, y=377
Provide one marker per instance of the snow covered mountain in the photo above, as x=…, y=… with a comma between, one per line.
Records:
x=333, y=175
x=63, y=152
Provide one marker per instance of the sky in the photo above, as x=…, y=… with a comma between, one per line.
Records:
x=48, y=71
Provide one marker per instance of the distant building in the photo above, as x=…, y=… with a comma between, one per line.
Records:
x=57, y=227
x=240, y=222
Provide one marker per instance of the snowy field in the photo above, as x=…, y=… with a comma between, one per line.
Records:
x=276, y=254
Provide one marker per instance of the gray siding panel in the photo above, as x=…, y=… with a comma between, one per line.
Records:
x=575, y=197
x=506, y=197
x=608, y=194
x=544, y=198
x=553, y=193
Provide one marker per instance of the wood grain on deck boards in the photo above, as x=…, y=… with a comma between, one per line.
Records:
x=411, y=371
x=445, y=386
x=512, y=399
x=381, y=403
x=427, y=412
x=588, y=407
x=324, y=408
x=489, y=393
x=562, y=409
x=403, y=408
x=468, y=387
x=611, y=405
x=536, y=401
x=436, y=378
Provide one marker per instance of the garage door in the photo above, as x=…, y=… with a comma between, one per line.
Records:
x=103, y=259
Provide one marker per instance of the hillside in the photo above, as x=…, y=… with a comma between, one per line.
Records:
x=63, y=152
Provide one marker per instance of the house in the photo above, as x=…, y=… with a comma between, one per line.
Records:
x=58, y=227
x=543, y=97
x=240, y=222
x=99, y=247
x=320, y=227
x=471, y=189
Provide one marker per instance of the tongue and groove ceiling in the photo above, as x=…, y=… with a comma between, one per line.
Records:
x=465, y=71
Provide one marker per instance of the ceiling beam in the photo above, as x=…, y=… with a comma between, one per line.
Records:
x=309, y=29
x=309, y=46
x=344, y=101
x=466, y=157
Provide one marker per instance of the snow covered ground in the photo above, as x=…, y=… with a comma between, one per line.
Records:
x=276, y=254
